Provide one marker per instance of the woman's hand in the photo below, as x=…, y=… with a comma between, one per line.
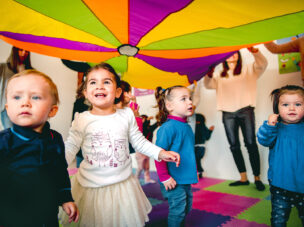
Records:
x=253, y=49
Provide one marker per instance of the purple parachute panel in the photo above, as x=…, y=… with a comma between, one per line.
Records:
x=56, y=42
x=144, y=16
x=194, y=68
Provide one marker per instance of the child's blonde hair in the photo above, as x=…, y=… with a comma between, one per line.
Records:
x=53, y=87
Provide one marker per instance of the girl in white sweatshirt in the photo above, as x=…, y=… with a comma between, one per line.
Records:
x=104, y=188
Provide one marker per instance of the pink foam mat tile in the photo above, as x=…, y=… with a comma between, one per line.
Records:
x=242, y=223
x=221, y=203
x=207, y=182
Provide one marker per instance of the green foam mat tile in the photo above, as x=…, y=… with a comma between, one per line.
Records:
x=246, y=190
x=294, y=219
x=261, y=213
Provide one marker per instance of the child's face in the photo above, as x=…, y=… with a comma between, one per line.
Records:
x=101, y=91
x=29, y=101
x=291, y=108
x=128, y=97
x=181, y=103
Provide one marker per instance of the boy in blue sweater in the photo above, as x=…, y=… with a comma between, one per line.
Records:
x=33, y=170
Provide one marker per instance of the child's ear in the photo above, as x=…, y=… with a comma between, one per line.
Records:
x=53, y=111
x=118, y=92
x=168, y=106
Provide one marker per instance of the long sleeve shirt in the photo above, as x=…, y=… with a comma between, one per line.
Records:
x=33, y=174
x=176, y=135
x=237, y=91
x=104, y=141
x=286, y=154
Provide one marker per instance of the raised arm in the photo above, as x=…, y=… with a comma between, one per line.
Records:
x=196, y=94
x=267, y=134
x=296, y=45
x=260, y=62
x=209, y=80
x=74, y=140
x=292, y=46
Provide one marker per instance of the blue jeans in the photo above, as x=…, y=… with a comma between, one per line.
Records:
x=282, y=201
x=180, y=204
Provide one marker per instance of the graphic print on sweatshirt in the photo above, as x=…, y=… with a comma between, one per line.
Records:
x=106, y=152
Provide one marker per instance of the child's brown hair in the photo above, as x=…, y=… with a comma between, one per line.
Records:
x=162, y=95
x=101, y=65
x=238, y=69
x=288, y=89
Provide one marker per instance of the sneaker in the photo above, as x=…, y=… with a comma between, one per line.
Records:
x=259, y=185
x=239, y=183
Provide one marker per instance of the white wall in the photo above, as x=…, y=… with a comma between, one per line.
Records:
x=218, y=161
x=63, y=77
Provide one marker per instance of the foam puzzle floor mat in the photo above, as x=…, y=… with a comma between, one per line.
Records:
x=215, y=204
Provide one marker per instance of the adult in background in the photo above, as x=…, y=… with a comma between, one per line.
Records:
x=236, y=98
x=18, y=61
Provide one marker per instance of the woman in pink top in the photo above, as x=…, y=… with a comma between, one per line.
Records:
x=236, y=98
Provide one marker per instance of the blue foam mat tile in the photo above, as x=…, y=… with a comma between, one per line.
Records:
x=199, y=218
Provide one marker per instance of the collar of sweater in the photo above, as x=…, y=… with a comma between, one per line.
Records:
x=177, y=118
x=27, y=134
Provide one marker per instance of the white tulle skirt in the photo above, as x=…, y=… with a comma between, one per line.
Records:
x=120, y=204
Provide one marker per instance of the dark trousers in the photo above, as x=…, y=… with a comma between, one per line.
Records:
x=199, y=154
x=281, y=202
x=244, y=119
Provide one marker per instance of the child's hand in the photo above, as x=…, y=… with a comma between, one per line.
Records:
x=71, y=210
x=169, y=156
x=135, y=108
x=170, y=184
x=273, y=119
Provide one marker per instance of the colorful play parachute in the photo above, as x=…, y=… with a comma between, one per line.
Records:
x=151, y=43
